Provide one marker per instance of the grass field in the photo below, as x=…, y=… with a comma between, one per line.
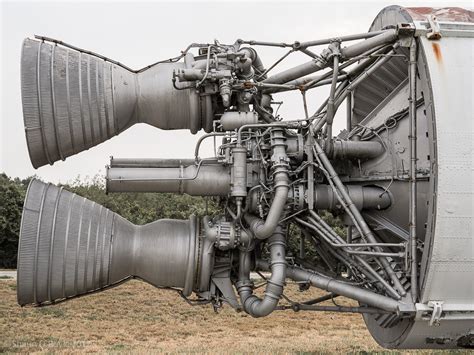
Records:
x=140, y=318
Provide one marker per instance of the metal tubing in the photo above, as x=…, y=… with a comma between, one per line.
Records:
x=359, y=48
x=353, y=37
x=263, y=75
x=330, y=107
x=345, y=149
x=307, y=82
x=344, y=309
x=252, y=304
x=299, y=45
x=338, y=244
x=209, y=180
x=338, y=287
x=349, y=113
x=325, y=231
x=204, y=136
x=317, y=125
x=364, y=75
x=327, y=297
x=364, y=197
x=297, y=72
x=413, y=158
x=150, y=163
x=264, y=229
x=357, y=216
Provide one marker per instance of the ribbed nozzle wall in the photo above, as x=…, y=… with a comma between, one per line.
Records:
x=73, y=100
x=70, y=246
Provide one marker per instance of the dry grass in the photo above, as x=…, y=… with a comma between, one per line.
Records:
x=140, y=318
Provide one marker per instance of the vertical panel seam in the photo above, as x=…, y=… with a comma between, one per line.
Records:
x=81, y=103
x=86, y=257
x=106, y=105
x=91, y=121
x=68, y=96
x=53, y=104
x=110, y=248
x=101, y=271
x=51, y=246
x=78, y=245
x=98, y=100
x=40, y=106
x=38, y=229
x=117, y=129
x=94, y=269
x=66, y=239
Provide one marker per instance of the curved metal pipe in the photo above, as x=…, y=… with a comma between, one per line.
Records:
x=264, y=229
x=256, y=61
x=261, y=307
x=339, y=287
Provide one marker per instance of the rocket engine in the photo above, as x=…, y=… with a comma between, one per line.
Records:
x=399, y=175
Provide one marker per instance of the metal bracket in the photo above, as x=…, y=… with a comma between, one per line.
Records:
x=437, y=311
x=405, y=32
x=435, y=31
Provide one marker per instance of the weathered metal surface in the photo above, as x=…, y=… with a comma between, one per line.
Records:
x=447, y=265
x=400, y=175
x=71, y=246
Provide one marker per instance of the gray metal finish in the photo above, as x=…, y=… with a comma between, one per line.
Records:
x=70, y=246
x=399, y=177
x=252, y=304
x=340, y=288
x=363, y=197
x=446, y=122
x=201, y=180
x=73, y=101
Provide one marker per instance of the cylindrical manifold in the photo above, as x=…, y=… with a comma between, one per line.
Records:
x=73, y=101
x=203, y=180
x=363, y=197
x=231, y=120
x=70, y=246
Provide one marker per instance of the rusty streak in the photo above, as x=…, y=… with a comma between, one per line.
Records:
x=437, y=52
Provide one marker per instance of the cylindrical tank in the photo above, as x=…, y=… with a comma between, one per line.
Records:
x=445, y=184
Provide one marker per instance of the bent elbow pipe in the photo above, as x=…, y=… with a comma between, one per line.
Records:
x=256, y=61
x=264, y=229
x=261, y=307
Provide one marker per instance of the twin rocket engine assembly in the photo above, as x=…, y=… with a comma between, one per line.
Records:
x=400, y=176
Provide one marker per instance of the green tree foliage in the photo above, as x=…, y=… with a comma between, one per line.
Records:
x=142, y=208
x=12, y=193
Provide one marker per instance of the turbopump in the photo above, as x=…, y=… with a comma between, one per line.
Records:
x=399, y=176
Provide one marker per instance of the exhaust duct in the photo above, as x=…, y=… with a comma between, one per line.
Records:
x=73, y=100
x=71, y=246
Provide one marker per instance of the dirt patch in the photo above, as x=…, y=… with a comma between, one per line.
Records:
x=140, y=318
